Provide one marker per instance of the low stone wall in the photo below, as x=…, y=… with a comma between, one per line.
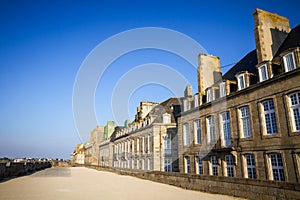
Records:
x=245, y=188
x=61, y=164
x=11, y=169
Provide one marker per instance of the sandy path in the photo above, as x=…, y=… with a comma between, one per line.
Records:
x=83, y=183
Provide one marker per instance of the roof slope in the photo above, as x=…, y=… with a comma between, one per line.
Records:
x=247, y=63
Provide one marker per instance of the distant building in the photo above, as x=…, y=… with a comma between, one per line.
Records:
x=77, y=157
x=92, y=147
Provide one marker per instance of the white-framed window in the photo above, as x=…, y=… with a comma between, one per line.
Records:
x=250, y=166
x=295, y=110
x=289, y=62
x=149, y=164
x=263, y=73
x=225, y=129
x=199, y=166
x=222, y=87
x=241, y=82
x=245, y=122
x=148, y=145
x=229, y=165
x=185, y=105
x=137, y=145
x=132, y=164
x=209, y=95
x=166, y=118
x=196, y=100
x=197, y=131
x=214, y=165
x=270, y=117
x=187, y=163
x=186, y=134
x=168, y=165
x=143, y=144
x=277, y=168
x=210, y=129
x=167, y=145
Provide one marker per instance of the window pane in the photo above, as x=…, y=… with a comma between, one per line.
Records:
x=289, y=62
x=270, y=117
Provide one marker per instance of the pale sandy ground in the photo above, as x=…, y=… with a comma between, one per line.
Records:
x=83, y=183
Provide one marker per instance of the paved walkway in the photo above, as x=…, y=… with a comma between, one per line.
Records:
x=83, y=183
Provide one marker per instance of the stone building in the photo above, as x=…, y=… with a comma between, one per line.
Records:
x=77, y=157
x=91, y=148
x=105, y=145
x=246, y=123
x=150, y=141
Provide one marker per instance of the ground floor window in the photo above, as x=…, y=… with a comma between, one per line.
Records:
x=214, y=165
x=199, y=166
x=168, y=165
x=229, y=165
x=149, y=164
x=250, y=166
x=276, y=167
x=187, y=164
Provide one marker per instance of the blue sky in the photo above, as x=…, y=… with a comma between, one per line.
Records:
x=43, y=44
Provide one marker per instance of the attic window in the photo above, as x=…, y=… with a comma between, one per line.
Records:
x=241, y=81
x=166, y=118
x=289, y=62
x=196, y=100
x=209, y=95
x=263, y=73
x=222, y=89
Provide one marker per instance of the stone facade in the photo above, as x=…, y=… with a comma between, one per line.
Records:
x=247, y=123
x=77, y=157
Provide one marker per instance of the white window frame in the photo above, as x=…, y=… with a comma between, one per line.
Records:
x=209, y=95
x=250, y=166
x=199, y=167
x=269, y=117
x=214, y=166
x=197, y=131
x=294, y=101
x=186, y=134
x=241, y=81
x=166, y=118
x=187, y=164
x=196, y=100
x=149, y=164
x=276, y=167
x=222, y=89
x=167, y=145
x=245, y=122
x=210, y=124
x=229, y=160
x=148, y=145
x=285, y=64
x=225, y=128
x=263, y=73
x=168, y=165
x=185, y=105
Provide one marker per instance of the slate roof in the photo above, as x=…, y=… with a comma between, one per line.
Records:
x=292, y=40
x=247, y=63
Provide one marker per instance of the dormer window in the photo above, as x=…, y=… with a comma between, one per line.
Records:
x=185, y=105
x=196, y=100
x=166, y=118
x=209, y=95
x=222, y=87
x=241, y=81
x=289, y=62
x=263, y=73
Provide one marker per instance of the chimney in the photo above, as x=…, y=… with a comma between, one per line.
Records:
x=188, y=91
x=270, y=31
x=208, y=71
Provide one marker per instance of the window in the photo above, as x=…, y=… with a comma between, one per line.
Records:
x=209, y=95
x=250, y=166
x=185, y=105
x=132, y=164
x=168, y=165
x=289, y=62
x=167, y=144
x=143, y=144
x=241, y=81
x=210, y=129
x=270, y=117
x=277, y=167
x=166, y=118
x=225, y=129
x=138, y=145
x=222, y=87
x=245, y=122
x=229, y=165
x=197, y=131
x=187, y=164
x=196, y=100
x=199, y=167
x=186, y=136
x=263, y=73
x=295, y=110
x=149, y=164
x=214, y=165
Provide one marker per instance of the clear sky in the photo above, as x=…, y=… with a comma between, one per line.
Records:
x=43, y=44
